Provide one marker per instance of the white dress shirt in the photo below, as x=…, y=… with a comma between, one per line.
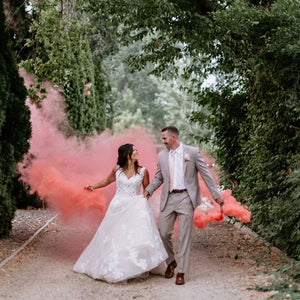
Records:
x=178, y=179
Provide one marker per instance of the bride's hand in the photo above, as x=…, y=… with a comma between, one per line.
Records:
x=89, y=187
x=146, y=195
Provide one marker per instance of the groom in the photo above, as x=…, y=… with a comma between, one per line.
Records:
x=177, y=170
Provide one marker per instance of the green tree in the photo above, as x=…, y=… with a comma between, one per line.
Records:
x=19, y=18
x=144, y=90
x=180, y=108
x=63, y=56
x=15, y=129
x=128, y=114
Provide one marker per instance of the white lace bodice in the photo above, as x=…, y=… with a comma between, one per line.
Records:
x=131, y=186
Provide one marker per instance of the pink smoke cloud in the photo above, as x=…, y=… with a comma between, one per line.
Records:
x=58, y=168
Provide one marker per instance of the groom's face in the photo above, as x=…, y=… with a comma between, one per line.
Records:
x=167, y=139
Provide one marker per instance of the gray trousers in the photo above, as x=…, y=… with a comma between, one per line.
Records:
x=179, y=205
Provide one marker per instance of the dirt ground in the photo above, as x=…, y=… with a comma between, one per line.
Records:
x=223, y=266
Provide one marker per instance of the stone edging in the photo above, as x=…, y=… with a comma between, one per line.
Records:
x=246, y=229
x=5, y=261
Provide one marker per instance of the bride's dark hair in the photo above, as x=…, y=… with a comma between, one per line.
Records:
x=123, y=152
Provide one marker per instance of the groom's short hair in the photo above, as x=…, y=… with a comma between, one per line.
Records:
x=172, y=130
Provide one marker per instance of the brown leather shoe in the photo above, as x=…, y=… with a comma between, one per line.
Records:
x=180, y=279
x=170, y=269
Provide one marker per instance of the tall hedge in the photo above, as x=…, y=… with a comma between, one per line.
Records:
x=256, y=115
x=62, y=55
x=19, y=20
x=15, y=129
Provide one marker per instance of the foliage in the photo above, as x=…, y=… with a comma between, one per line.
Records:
x=285, y=283
x=269, y=138
x=227, y=115
x=177, y=101
x=102, y=89
x=129, y=115
x=63, y=56
x=151, y=101
x=15, y=127
x=136, y=101
x=18, y=23
x=21, y=194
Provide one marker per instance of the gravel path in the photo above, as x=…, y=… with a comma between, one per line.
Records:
x=24, y=225
x=223, y=266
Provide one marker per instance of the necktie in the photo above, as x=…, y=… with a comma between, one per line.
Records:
x=171, y=169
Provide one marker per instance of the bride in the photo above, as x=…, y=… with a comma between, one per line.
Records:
x=127, y=243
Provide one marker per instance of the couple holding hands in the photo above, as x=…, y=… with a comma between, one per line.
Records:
x=127, y=243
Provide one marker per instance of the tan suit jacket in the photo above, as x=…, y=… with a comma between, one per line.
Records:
x=193, y=163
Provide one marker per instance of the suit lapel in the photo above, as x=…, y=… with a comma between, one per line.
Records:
x=166, y=158
x=184, y=162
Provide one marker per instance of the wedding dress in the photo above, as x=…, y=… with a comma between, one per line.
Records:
x=127, y=243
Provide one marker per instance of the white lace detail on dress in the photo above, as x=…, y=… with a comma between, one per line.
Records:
x=131, y=186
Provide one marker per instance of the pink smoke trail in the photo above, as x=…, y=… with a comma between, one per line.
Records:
x=58, y=168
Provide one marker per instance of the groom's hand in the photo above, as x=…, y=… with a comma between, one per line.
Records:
x=146, y=194
x=220, y=200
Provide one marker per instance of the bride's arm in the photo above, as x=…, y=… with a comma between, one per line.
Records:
x=146, y=179
x=104, y=182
